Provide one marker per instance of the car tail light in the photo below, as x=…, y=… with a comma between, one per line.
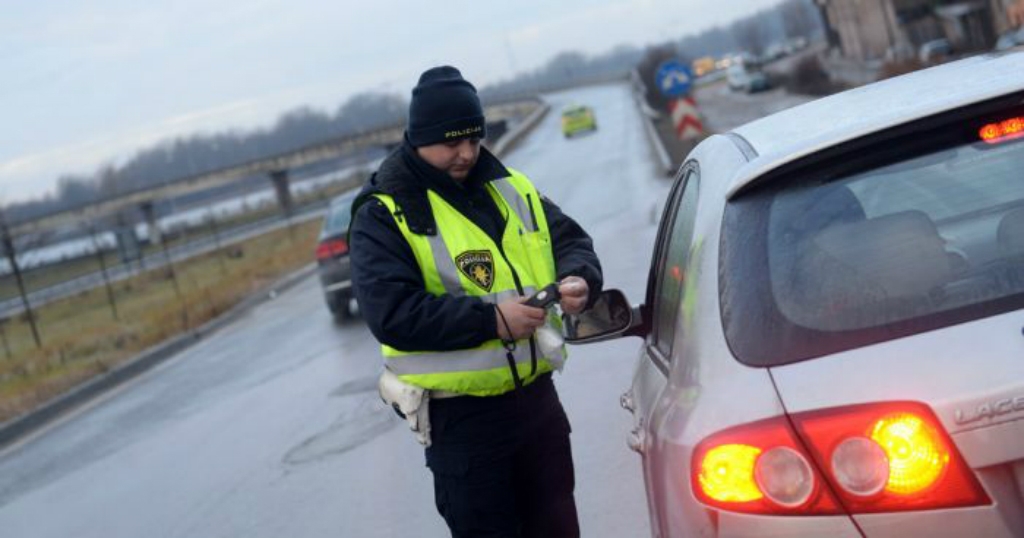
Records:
x=331, y=248
x=727, y=473
x=759, y=468
x=866, y=458
x=860, y=466
x=785, y=477
x=901, y=444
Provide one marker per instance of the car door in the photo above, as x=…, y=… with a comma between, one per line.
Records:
x=665, y=299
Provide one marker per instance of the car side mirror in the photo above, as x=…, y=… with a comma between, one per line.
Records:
x=609, y=317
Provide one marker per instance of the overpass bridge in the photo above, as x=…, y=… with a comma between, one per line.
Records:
x=275, y=167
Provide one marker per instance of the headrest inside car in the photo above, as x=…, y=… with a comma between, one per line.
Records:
x=1011, y=233
x=901, y=254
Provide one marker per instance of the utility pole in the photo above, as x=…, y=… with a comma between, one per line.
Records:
x=12, y=258
x=103, y=270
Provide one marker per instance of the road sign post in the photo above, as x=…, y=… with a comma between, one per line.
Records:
x=685, y=118
x=675, y=79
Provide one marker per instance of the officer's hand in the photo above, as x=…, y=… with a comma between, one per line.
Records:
x=522, y=320
x=574, y=292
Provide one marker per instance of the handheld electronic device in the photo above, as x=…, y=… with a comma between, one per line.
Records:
x=545, y=297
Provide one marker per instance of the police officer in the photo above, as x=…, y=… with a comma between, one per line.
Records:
x=446, y=244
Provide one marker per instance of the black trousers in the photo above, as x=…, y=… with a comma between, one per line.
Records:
x=503, y=465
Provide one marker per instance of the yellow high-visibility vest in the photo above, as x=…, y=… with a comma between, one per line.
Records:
x=462, y=260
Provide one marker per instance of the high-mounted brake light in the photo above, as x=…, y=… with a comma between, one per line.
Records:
x=875, y=458
x=1004, y=130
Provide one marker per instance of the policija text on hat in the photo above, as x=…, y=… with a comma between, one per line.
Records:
x=447, y=243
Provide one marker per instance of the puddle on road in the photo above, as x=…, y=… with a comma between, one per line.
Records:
x=364, y=418
x=355, y=386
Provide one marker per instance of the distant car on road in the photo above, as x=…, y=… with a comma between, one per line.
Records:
x=742, y=79
x=935, y=51
x=332, y=256
x=775, y=51
x=576, y=119
x=757, y=81
x=1012, y=39
x=832, y=324
x=736, y=76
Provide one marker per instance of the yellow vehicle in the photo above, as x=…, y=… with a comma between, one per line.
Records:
x=703, y=66
x=577, y=118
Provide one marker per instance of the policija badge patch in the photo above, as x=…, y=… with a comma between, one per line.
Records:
x=478, y=265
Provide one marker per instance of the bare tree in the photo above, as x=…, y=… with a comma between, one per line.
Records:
x=647, y=69
x=370, y=110
x=797, y=20
x=9, y=250
x=751, y=35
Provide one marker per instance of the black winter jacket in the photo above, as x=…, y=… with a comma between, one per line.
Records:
x=388, y=284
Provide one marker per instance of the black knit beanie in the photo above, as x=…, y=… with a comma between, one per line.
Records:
x=444, y=107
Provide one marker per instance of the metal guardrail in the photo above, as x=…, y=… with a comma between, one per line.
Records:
x=207, y=243
x=157, y=260
x=509, y=140
x=649, y=115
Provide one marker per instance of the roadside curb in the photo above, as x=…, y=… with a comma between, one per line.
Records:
x=507, y=142
x=649, y=115
x=18, y=427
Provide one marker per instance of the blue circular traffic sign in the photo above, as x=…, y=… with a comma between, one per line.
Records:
x=674, y=78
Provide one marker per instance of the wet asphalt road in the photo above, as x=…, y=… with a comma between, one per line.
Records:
x=271, y=427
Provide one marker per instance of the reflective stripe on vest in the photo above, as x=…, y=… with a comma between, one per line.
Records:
x=525, y=252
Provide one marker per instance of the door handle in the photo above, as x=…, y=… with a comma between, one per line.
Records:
x=626, y=401
x=635, y=439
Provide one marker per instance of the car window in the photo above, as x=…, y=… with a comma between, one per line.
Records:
x=339, y=217
x=675, y=248
x=576, y=112
x=842, y=260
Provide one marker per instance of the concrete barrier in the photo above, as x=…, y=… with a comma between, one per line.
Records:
x=513, y=136
x=661, y=133
x=650, y=115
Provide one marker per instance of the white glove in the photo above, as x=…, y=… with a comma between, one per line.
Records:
x=409, y=400
x=551, y=344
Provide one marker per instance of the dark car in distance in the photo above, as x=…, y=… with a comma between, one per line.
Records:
x=332, y=256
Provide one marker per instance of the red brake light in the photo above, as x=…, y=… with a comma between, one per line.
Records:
x=1001, y=131
x=905, y=446
x=331, y=248
x=875, y=458
x=759, y=468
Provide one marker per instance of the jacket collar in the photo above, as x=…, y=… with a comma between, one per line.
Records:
x=406, y=177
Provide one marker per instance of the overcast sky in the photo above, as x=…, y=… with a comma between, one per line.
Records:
x=88, y=83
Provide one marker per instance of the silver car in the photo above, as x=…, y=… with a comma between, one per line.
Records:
x=832, y=332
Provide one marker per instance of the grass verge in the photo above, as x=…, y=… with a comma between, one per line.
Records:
x=83, y=336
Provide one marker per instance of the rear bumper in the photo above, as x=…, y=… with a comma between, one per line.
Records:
x=336, y=275
x=344, y=285
x=577, y=127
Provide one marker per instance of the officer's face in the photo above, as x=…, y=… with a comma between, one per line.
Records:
x=454, y=158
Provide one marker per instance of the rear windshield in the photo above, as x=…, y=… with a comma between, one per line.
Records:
x=576, y=112
x=833, y=261
x=339, y=216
